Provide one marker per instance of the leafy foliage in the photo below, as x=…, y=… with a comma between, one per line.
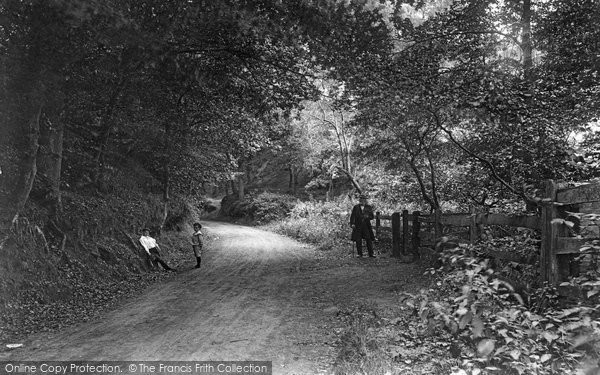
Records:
x=461, y=93
x=260, y=208
x=325, y=224
x=491, y=328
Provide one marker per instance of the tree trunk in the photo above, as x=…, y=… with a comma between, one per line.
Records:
x=55, y=168
x=167, y=172
x=166, y=198
x=27, y=90
x=352, y=180
x=347, y=144
x=340, y=136
x=29, y=163
x=106, y=128
x=348, y=157
x=432, y=204
x=49, y=162
x=432, y=178
x=231, y=184
x=528, y=75
x=295, y=186
x=240, y=190
x=341, y=145
x=526, y=42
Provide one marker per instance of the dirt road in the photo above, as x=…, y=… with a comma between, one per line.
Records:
x=258, y=296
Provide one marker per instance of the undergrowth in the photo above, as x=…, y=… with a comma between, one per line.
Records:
x=493, y=330
x=43, y=289
x=481, y=316
x=361, y=350
x=258, y=208
x=57, y=272
x=325, y=224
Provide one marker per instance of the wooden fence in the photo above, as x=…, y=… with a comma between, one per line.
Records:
x=405, y=229
x=570, y=217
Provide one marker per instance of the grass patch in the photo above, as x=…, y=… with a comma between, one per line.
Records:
x=361, y=350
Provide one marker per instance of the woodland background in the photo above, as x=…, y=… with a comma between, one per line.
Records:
x=117, y=115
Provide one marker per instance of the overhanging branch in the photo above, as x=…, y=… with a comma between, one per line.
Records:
x=482, y=160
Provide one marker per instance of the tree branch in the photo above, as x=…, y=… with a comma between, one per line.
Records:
x=467, y=32
x=484, y=161
x=352, y=179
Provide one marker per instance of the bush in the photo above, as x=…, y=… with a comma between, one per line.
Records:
x=324, y=224
x=268, y=207
x=259, y=209
x=492, y=329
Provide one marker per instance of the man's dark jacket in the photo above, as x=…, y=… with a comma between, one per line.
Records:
x=361, y=218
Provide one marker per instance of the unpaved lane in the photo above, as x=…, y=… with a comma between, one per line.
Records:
x=258, y=296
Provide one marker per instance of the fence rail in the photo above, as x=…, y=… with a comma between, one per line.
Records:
x=468, y=219
x=559, y=245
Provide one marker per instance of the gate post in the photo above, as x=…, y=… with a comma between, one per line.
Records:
x=473, y=225
x=437, y=225
x=396, y=234
x=405, y=232
x=548, y=261
x=416, y=229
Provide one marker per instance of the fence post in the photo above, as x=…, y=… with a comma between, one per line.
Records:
x=437, y=224
x=405, y=232
x=377, y=223
x=473, y=225
x=416, y=229
x=396, y=234
x=548, y=263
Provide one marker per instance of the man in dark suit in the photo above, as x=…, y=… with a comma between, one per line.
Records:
x=360, y=220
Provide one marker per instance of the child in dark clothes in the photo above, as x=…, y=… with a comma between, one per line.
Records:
x=197, y=243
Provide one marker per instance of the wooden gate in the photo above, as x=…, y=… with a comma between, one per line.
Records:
x=406, y=231
x=570, y=218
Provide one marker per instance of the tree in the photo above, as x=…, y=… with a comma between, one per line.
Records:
x=474, y=68
x=36, y=55
x=136, y=70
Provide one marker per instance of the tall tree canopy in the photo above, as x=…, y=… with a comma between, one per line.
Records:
x=486, y=92
x=504, y=81
x=183, y=86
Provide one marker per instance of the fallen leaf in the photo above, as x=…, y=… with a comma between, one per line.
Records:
x=477, y=325
x=466, y=319
x=485, y=347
